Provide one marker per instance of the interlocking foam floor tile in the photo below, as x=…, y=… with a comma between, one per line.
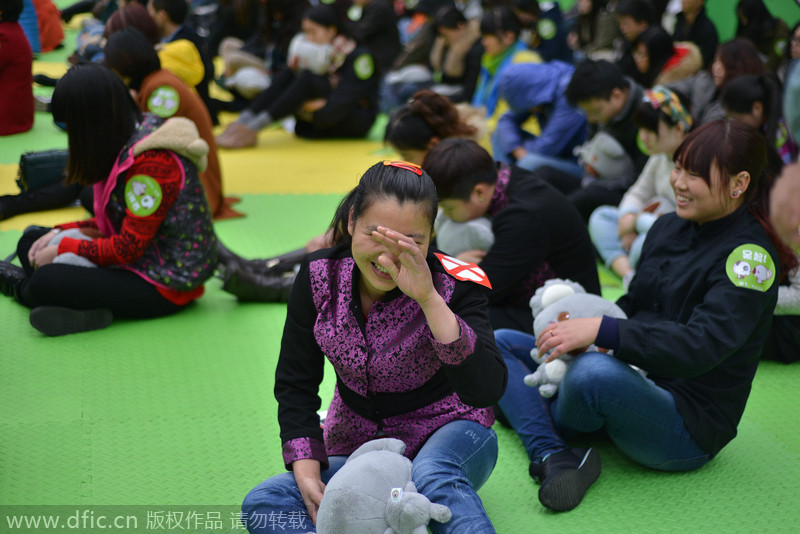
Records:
x=43, y=462
x=180, y=410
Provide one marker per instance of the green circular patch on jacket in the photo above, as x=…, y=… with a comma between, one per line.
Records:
x=142, y=195
x=547, y=29
x=164, y=101
x=354, y=13
x=364, y=67
x=751, y=267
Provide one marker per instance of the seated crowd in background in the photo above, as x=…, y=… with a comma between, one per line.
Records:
x=537, y=144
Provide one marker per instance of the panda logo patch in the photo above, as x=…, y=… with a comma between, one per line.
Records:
x=546, y=29
x=750, y=266
x=164, y=101
x=142, y=195
x=364, y=67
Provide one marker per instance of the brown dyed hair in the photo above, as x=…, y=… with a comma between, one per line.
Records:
x=425, y=116
x=732, y=147
x=739, y=56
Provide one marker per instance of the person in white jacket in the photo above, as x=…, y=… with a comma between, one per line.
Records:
x=618, y=232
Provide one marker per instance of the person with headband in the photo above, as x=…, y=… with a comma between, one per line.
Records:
x=698, y=312
x=412, y=349
x=618, y=232
x=413, y=129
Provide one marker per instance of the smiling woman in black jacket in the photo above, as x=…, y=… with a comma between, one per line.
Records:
x=699, y=310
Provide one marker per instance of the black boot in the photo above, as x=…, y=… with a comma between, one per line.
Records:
x=276, y=266
x=252, y=287
x=45, y=80
x=227, y=258
x=285, y=263
x=11, y=279
x=48, y=197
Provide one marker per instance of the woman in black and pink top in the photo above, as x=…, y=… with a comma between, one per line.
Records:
x=412, y=349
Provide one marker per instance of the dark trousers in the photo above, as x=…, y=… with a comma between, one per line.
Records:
x=48, y=197
x=783, y=342
x=122, y=292
x=586, y=198
x=286, y=95
x=288, y=91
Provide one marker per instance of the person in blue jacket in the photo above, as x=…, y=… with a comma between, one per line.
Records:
x=698, y=312
x=30, y=25
x=539, y=90
x=500, y=30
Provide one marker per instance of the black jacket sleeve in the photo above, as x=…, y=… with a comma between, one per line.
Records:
x=300, y=366
x=357, y=87
x=479, y=380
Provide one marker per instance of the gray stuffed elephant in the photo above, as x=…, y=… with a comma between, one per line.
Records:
x=560, y=300
x=373, y=494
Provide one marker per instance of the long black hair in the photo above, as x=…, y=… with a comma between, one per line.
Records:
x=130, y=54
x=100, y=116
x=660, y=48
x=742, y=92
x=399, y=181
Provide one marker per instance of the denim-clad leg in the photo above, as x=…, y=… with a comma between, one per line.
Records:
x=526, y=410
x=643, y=223
x=450, y=468
x=641, y=418
x=276, y=505
x=533, y=161
x=603, y=225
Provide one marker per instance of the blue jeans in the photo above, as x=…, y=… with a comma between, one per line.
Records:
x=603, y=230
x=449, y=469
x=533, y=160
x=597, y=392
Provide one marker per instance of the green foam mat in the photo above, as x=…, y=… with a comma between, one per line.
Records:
x=179, y=412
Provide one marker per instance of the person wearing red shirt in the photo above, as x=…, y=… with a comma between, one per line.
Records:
x=16, y=80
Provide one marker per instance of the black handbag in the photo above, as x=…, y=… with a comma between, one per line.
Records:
x=37, y=169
